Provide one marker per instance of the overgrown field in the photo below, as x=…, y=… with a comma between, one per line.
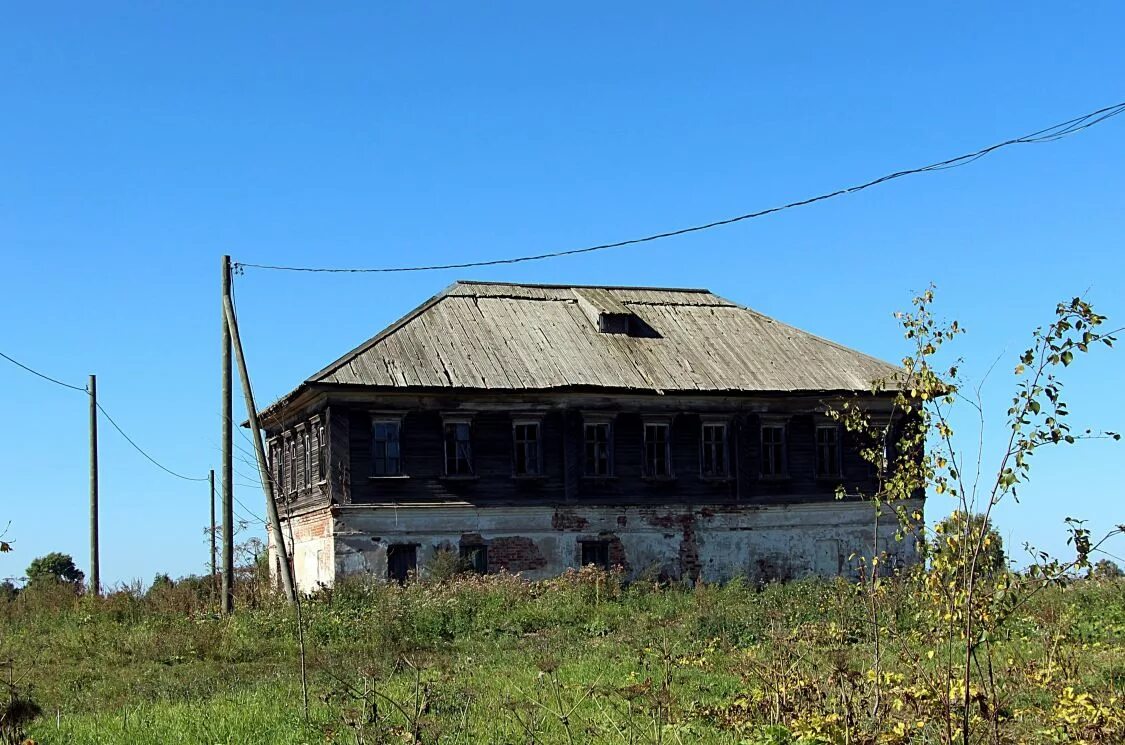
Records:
x=582, y=658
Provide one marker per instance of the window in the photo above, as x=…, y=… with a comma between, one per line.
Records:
x=279, y=470
x=291, y=474
x=657, y=451
x=596, y=553
x=321, y=454
x=475, y=557
x=713, y=458
x=386, y=454
x=402, y=561
x=827, y=450
x=458, y=449
x=525, y=456
x=773, y=450
x=307, y=461
x=598, y=460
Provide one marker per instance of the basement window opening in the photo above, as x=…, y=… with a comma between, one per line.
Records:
x=474, y=557
x=402, y=561
x=595, y=553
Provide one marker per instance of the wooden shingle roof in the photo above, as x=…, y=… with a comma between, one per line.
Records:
x=540, y=337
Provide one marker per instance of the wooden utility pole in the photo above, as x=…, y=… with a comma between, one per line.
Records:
x=214, y=568
x=260, y=453
x=95, y=561
x=228, y=454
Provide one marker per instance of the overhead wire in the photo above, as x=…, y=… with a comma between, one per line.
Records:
x=109, y=418
x=1049, y=134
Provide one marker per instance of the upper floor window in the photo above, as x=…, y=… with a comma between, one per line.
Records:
x=386, y=453
x=307, y=461
x=598, y=460
x=525, y=456
x=278, y=469
x=458, y=449
x=827, y=450
x=773, y=450
x=713, y=457
x=291, y=471
x=658, y=450
x=321, y=454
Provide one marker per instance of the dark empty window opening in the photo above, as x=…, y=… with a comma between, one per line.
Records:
x=458, y=451
x=474, y=557
x=597, y=461
x=713, y=459
x=773, y=450
x=525, y=460
x=657, y=451
x=386, y=451
x=828, y=450
x=596, y=553
x=402, y=561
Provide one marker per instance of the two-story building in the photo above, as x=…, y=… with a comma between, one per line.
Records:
x=532, y=428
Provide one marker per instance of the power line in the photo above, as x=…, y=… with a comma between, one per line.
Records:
x=41, y=375
x=107, y=416
x=1050, y=134
x=140, y=450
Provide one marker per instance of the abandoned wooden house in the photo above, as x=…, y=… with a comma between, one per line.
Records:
x=534, y=428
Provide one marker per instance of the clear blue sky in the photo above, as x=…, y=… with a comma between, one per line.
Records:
x=138, y=144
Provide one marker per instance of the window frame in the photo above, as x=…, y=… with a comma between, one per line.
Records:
x=723, y=448
x=601, y=545
x=291, y=459
x=456, y=421
x=306, y=461
x=468, y=553
x=539, y=470
x=411, y=549
x=648, y=463
x=782, y=471
x=383, y=420
x=597, y=422
x=321, y=453
x=837, y=460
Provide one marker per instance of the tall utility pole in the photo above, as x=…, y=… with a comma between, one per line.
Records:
x=228, y=455
x=278, y=539
x=214, y=568
x=95, y=562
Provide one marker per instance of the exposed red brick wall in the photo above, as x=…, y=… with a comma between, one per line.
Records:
x=565, y=519
x=690, y=565
x=617, y=554
x=514, y=554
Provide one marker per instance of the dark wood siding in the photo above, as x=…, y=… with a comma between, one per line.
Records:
x=562, y=482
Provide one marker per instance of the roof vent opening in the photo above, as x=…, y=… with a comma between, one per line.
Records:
x=608, y=314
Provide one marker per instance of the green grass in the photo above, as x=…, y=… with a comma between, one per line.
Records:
x=579, y=659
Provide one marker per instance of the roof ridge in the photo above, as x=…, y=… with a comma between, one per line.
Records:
x=554, y=286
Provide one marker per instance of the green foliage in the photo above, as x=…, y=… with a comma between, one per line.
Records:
x=497, y=659
x=952, y=533
x=1106, y=569
x=54, y=567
